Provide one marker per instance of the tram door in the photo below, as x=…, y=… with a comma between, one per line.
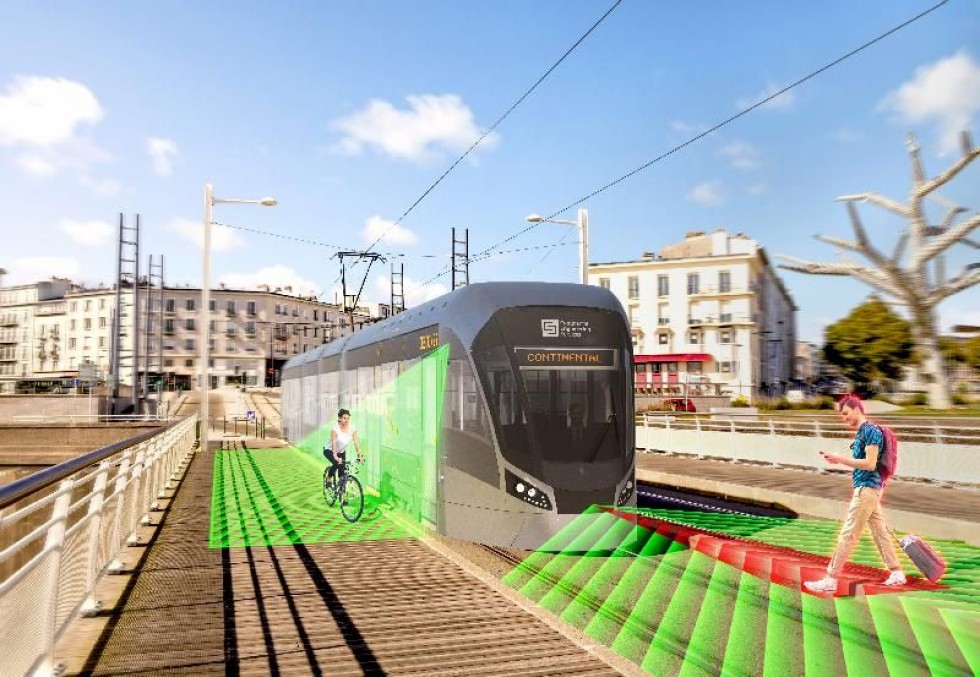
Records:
x=433, y=378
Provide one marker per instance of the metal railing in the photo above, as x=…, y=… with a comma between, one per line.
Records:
x=65, y=528
x=166, y=417
x=946, y=451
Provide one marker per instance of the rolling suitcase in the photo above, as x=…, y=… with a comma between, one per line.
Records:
x=927, y=560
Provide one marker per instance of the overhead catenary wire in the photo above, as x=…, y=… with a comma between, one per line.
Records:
x=703, y=134
x=496, y=124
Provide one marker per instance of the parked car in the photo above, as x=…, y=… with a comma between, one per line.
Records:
x=680, y=404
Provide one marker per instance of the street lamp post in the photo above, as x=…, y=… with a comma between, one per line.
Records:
x=582, y=223
x=205, y=314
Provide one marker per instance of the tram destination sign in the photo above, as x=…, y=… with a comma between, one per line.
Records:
x=570, y=358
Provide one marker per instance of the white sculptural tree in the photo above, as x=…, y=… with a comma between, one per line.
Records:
x=906, y=278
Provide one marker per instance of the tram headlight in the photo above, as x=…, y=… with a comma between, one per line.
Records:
x=527, y=492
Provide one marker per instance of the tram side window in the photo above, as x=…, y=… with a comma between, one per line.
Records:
x=466, y=406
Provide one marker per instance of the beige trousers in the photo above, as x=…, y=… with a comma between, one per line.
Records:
x=865, y=509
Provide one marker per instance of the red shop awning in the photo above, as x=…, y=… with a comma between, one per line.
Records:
x=673, y=357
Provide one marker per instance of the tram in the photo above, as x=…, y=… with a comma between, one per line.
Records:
x=495, y=413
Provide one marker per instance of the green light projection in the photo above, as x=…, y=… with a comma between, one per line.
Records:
x=274, y=496
x=675, y=610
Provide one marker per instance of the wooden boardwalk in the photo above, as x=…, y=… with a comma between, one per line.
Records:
x=378, y=607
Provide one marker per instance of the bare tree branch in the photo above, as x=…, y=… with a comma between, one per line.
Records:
x=838, y=242
x=879, y=281
x=817, y=268
x=943, y=242
x=862, y=237
x=874, y=198
x=929, y=186
x=900, y=247
x=968, y=276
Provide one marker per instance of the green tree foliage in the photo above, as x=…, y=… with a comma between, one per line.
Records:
x=952, y=349
x=971, y=352
x=871, y=344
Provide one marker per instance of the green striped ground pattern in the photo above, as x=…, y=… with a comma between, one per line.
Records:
x=672, y=610
x=274, y=497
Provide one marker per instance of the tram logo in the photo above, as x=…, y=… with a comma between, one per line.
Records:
x=549, y=328
x=565, y=328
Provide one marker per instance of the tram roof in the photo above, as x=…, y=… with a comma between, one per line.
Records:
x=466, y=309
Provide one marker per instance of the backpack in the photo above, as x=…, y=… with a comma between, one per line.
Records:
x=888, y=458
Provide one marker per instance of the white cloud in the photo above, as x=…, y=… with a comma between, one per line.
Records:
x=681, y=127
x=39, y=111
x=707, y=193
x=277, y=277
x=36, y=268
x=162, y=152
x=47, y=121
x=945, y=93
x=757, y=188
x=415, y=293
x=222, y=239
x=86, y=233
x=430, y=124
x=742, y=155
x=782, y=102
x=376, y=227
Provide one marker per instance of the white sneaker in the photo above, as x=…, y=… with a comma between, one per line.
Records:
x=825, y=584
x=895, y=578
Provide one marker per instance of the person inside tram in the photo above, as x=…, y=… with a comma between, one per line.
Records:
x=576, y=422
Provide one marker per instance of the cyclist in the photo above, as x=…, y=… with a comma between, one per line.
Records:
x=342, y=435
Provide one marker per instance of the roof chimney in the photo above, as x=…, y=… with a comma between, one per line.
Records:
x=693, y=234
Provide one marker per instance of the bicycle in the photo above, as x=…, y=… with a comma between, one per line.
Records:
x=345, y=487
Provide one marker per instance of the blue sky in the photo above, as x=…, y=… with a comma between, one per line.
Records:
x=347, y=112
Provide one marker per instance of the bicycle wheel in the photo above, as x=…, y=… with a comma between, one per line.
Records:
x=329, y=487
x=352, y=501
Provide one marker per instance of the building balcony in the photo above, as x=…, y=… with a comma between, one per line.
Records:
x=8, y=320
x=729, y=291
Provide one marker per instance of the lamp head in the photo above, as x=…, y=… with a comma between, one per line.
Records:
x=268, y=202
x=534, y=218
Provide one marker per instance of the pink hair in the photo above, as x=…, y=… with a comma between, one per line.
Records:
x=852, y=401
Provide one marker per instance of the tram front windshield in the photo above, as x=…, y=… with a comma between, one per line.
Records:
x=551, y=412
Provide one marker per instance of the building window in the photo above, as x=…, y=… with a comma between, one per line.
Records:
x=634, y=287
x=695, y=337
x=74, y=306
x=188, y=363
x=695, y=367
x=102, y=322
x=102, y=341
x=168, y=326
x=726, y=367
x=101, y=304
x=672, y=367
x=212, y=305
x=170, y=305
x=189, y=344
x=189, y=324
x=604, y=282
x=190, y=304
x=724, y=337
x=663, y=338
x=724, y=281
x=88, y=323
x=250, y=308
x=168, y=363
x=693, y=283
x=250, y=328
x=71, y=343
x=663, y=285
x=231, y=307
x=88, y=306
x=72, y=325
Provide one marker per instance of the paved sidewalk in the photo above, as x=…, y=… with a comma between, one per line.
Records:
x=925, y=509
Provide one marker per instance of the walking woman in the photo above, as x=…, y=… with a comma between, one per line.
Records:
x=865, y=507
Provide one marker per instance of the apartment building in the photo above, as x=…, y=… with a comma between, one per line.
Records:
x=808, y=358
x=708, y=315
x=48, y=330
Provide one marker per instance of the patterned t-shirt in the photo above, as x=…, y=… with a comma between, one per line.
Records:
x=867, y=434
